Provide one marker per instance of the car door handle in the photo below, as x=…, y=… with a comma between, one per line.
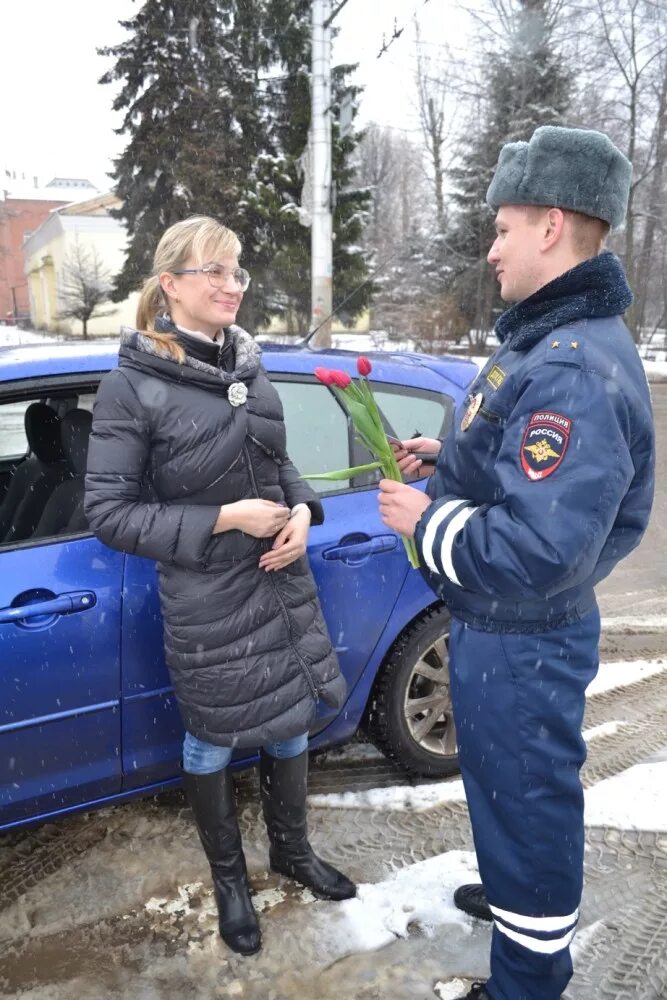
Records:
x=64, y=604
x=361, y=550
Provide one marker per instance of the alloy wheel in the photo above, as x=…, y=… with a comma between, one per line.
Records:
x=428, y=702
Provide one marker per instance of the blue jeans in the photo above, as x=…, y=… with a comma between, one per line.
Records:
x=206, y=758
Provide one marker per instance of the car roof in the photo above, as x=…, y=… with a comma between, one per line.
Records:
x=27, y=361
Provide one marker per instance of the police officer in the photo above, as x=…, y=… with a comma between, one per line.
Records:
x=543, y=484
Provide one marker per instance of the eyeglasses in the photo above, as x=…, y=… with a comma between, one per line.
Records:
x=218, y=274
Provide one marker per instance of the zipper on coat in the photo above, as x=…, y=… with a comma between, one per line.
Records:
x=304, y=666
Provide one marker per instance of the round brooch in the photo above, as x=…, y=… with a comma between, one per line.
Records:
x=237, y=393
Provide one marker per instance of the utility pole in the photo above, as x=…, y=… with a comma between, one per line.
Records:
x=322, y=223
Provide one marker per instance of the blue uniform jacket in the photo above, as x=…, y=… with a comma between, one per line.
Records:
x=546, y=478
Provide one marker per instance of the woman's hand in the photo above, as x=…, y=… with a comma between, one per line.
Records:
x=407, y=456
x=259, y=518
x=290, y=543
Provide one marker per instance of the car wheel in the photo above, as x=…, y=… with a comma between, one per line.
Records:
x=410, y=710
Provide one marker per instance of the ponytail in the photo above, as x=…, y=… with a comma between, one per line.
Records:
x=151, y=303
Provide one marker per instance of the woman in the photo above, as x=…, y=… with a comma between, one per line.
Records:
x=187, y=465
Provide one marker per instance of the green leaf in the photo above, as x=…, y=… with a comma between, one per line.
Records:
x=343, y=473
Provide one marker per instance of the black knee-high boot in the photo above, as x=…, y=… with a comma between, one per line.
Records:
x=283, y=787
x=214, y=806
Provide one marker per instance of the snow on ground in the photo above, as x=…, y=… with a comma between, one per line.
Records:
x=605, y=729
x=634, y=623
x=12, y=335
x=419, y=895
x=655, y=368
x=632, y=800
x=584, y=937
x=399, y=798
x=614, y=675
x=351, y=752
x=452, y=990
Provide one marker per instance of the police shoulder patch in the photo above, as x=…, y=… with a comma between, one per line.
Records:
x=544, y=444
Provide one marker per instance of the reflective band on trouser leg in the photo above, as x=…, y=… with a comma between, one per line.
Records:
x=541, y=924
x=542, y=945
x=518, y=706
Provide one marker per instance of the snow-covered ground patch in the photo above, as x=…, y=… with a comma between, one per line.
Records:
x=349, y=753
x=615, y=675
x=12, y=335
x=583, y=938
x=632, y=800
x=451, y=990
x=398, y=798
x=419, y=895
x=655, y=368
x=605, y=729
x=634, y=623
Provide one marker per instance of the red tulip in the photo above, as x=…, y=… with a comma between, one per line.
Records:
x=324, y=376
x=340, y=379
x=364, y=367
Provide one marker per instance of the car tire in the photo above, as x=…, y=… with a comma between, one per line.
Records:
x=421, y=741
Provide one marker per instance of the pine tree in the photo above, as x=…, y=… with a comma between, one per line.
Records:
x=175, y=98
x=528, y=85
x=217, y=106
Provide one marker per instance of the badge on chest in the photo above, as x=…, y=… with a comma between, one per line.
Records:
x=474, y=404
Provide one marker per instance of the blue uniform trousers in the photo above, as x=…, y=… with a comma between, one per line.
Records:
x=518, y=705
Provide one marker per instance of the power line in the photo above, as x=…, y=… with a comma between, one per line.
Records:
x=397, y=32
x=437, y=238
x=334, y=14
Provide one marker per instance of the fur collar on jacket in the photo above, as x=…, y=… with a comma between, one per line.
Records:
x=247, y=353
x=595, y=288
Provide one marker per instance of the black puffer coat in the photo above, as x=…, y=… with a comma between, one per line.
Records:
x=248, y=651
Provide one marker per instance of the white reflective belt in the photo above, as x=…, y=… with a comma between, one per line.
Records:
x=431, y=528
x=536, y=944
x=536, y=923
x=451, y=531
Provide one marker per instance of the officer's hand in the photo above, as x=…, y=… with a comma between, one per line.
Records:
x=407, y=456
x=401, y=506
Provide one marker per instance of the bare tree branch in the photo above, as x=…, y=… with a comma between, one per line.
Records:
x=85, y=284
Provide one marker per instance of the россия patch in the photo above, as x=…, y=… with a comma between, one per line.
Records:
x=544, y=444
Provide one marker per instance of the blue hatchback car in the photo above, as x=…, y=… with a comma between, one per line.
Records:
x=87, y=715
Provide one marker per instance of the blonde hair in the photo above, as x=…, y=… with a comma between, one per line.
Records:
x=587, y=233
x=200, y=238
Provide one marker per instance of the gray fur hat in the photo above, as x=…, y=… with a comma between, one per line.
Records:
x=572, y=168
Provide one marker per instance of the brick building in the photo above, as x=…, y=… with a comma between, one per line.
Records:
x=22, y=210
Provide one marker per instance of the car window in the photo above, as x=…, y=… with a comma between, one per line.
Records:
x=86, y=401
x=406, y=412
x=41, y=492
x=317, y=431
x=13, y=441
x=411, y=412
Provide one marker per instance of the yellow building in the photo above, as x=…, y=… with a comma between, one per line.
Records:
x=84, y=226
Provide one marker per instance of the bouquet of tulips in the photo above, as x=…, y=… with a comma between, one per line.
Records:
x=357, y=397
